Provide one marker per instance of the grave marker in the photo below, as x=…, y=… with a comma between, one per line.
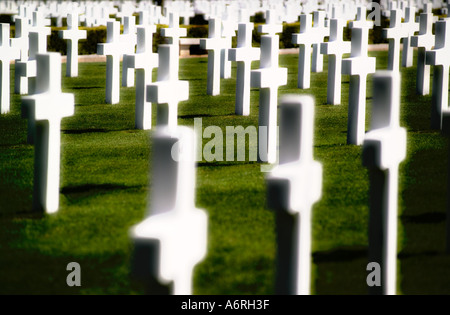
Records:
x=335, y=49
x=47, y=107
x=425, y=42
x=244, y=54
x=304, y=39
x=7, y=54
x=410, y=27
x=73, y=35
x=383, y=150
x=358, y=66
x=213, y=44
x=112, y=49
x=394, y=34
x=268, y=78
x=162, y=91
x=439, y=58
x=129, y=40
x=293, y=187
x=320, y=31
x=173, y=238
x=21, y=42
x=144, y=61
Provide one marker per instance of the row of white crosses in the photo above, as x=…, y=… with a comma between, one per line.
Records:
x=424, y=41
x=398, y=31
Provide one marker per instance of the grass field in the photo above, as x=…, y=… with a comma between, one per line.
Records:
x=105, y=183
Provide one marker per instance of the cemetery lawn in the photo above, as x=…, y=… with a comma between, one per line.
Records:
x=104, y=188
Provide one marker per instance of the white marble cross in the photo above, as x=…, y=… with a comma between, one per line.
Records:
x=320, y=31
x=113, y=50
x=7, y=54
x=383, y=150
x=21, y=42
x=293, y=187
x=335, y=48
x=73, y=35
x=439, y=58
x=47, y=107
x=271, y=27
x=214, y=44
x=129, y=40
x=410, y=27
x=358, y=66
x=144, y=18
x=244, y=54
x=144, y=61
x=173, y=238
x=174, y=32
x=305, y=39
x=268, y=78
x=229, y=29
x=162, y=91
x=425, y=42
x=37, y=44
x=394, y=34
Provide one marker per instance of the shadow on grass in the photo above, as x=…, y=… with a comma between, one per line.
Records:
x=204, y=116
x=424, y=267
x=82, y=191
x=341, y=271
x=224, y=164
x=28, y=273
x=86, y=87
x=425, y=218
x=84, y=131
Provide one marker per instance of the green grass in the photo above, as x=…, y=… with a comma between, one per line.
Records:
x=105, y=180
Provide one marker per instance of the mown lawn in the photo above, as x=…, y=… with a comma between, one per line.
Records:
x=105, y=183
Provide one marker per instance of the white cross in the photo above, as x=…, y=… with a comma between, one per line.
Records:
x=293, y=187
x=305, y=39
x=73, y=35
x=144, y=61
x=244, y=54
x=335, y=48
x=113, y=49
x=144, y=18
x=425, y=42
x=358, y=66
x=271, y=27
x=21, y=39
x=394, y=34
x=229, y=29
x=268, y=78
x=410, y=27
x=129, y=40
x=37, y=44
x=162, y=91
x=439, y=58
x=174, y=236
x=320, y=31
x=7, y=54
x=174, y=32
x=47, y=107
x=383, y=150
x=214, y=44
